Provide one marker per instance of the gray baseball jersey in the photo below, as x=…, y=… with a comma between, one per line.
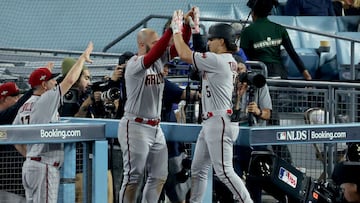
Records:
x=144, y=87
x=214, y=146
x=40, y=175
x=217, y=83
x=40, y=110
x=143, y=144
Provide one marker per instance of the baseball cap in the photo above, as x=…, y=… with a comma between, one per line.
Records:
x=40, y=75
x=9, y=89
x=67, y=64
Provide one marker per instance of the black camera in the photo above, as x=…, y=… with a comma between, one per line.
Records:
x=111, y=94
x=252, y=79
x=108, y=90
x=71, y=96
x=324, y=192
x=123, y=58
x=281, y=179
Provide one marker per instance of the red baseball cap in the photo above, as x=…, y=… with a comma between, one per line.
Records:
x=40, y=75
x=9, y=89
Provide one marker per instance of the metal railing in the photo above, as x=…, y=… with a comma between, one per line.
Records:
x=143, y=23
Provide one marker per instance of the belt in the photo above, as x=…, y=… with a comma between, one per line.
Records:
x=56, y=164
x=152, y=122
x=210, y=114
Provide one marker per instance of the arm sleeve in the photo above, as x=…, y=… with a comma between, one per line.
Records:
x=186, y=34
x=199, y=42
x=158, y=49
x=293, y=55
x=7, y=116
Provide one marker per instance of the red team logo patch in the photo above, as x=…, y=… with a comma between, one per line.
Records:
x=204, y=55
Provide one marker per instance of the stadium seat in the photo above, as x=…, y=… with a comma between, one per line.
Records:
x=307, y=55
x=242, y=11
x=348, y=23
x=323, y=24
x=215, y=10
x=310, y=59
x=344, y=54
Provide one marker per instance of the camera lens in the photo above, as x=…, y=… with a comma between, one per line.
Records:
x=111, y=94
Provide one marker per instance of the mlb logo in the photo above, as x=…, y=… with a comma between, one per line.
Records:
x=281, y=135
x=287, y=177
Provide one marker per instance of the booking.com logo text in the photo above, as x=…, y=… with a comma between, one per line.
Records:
x=55, y=133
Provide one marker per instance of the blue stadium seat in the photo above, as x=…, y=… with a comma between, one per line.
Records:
x=242, y=11
x=214, y=10
x=344, y=52
x=348, y=23
x=310, y=59
x=324, y=24
x=307, y=55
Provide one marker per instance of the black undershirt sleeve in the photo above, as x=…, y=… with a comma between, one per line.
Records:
x=293, y=55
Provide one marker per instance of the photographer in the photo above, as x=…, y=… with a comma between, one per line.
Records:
x=77, y=94
x=251, y=107
x=92, y=101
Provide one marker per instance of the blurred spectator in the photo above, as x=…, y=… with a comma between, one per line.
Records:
x=262, y=39
x=90, y=100
x=238, y=27
x=346, y=7
x=11, y=160
x=77, y=94
x=309, y=8
x=10, y=102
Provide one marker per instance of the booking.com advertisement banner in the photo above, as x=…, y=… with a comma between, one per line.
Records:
x=51, y=133
x=305, y=134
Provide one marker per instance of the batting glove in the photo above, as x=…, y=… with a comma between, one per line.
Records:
x=177, y=21
x=195, y=23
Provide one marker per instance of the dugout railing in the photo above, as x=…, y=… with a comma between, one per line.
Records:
x=352, y=65
x=69, y=134
x=107, y=128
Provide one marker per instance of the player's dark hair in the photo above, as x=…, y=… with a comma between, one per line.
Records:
x=262, y=8
x=231, y=46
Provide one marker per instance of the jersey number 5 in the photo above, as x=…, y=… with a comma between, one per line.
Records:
x=25, y=119
x=208, y=93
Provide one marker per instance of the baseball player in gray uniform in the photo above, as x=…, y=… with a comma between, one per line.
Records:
x=214, y=146
x=40, y=172
x=140, y=136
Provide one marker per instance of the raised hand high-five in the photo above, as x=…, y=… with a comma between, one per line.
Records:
x=195, y=26
x=177, y=21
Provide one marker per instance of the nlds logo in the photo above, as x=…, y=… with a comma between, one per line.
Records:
x=292, y=135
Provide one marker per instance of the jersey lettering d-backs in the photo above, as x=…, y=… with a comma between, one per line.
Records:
x=217, y=79
x=144, y=87
x=41, y=110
